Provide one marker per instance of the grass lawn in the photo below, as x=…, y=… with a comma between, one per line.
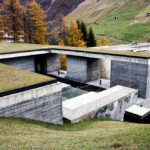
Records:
x=17, y=47
x=21, y=134
x=12, y=78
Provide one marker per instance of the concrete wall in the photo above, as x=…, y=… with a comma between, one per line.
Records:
x=116, y=109
x=93, y=69
x=110, y=103
x=43, y=104
x=77, y=68
x=53, y=62
x=83, y=69
x=128, y=74
x=25, y=63
x=106, y=69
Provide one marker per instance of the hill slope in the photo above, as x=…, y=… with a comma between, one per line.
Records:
x=133, y=25
x=16, y=134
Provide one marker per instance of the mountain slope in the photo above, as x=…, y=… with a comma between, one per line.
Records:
x=133, y=25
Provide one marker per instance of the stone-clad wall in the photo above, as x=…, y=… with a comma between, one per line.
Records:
x=116, y=109
x=53, y=62
x=93, y=69
x=83, y=69
x=43, y=104
x=25, y=63
x=128, y=74
x=77, y=68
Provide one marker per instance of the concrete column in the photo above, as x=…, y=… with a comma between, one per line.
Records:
x=83, y=69
x=131, y=75
x=53, y=63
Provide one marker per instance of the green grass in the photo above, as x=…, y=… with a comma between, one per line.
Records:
x=18, y=47
x=15, y=47
x=101, y=51
x=21, y=134
x=122, y=29
x=104, y=12
x=12, y=78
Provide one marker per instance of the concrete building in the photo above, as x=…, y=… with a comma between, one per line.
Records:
x=130, y=67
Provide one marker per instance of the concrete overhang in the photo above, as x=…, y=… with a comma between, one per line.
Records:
x=23, y=53
x=133, y=59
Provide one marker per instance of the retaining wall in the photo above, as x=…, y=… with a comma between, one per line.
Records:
x=43, y=104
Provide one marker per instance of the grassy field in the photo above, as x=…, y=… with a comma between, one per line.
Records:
x=124, y=29
x=20, y=134
x=12, y=78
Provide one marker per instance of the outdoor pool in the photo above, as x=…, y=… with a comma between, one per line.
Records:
x=71, y=92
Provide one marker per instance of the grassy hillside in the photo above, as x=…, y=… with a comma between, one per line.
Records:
x=16, y=134
x=133, y=25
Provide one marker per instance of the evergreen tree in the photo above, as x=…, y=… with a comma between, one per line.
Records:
x=75, y=35
x=37, y=16
x=83, y=29
x=79, y=24
x=13, y=18
x=91, y=41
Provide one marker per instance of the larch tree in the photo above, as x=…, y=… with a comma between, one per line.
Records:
x=37, y=21
x=103, y=42
x=1, y=27
x=62, y=29
x=13, y=19
x=75, y=35
x=27, y=25
x=91, y=41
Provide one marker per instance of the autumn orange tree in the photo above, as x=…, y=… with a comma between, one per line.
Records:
x=37, y=16
x=12, y=12
x=103, y=42
x=1, y=27
x=75, y=35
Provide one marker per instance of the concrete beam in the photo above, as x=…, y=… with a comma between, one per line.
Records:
x=102, y=56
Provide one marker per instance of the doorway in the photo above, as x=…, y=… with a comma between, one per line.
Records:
x=40, y=64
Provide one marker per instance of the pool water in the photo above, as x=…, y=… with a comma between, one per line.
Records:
x=71, y=92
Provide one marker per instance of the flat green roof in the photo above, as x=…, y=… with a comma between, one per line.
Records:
x=20, y=47
x=13, y=78
x=103, y=51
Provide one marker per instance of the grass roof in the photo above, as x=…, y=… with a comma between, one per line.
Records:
x=103, y=51
x=18, y=47
x=13, y=78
